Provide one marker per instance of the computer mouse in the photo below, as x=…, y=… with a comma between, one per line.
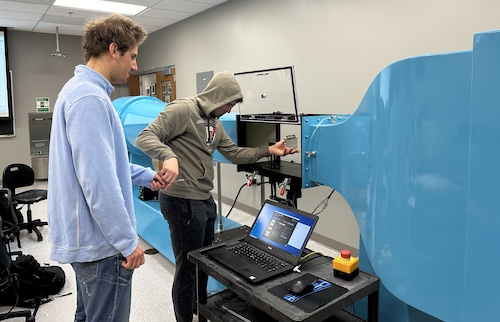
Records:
x=300, y=287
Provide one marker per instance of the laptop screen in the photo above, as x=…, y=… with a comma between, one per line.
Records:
x=283, y=227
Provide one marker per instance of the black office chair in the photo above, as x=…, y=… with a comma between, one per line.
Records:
x=7, y=282
x=10, y=219
x=21, y=175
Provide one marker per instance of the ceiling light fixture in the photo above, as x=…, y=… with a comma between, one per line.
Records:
x=102, y=6
x=57, y=53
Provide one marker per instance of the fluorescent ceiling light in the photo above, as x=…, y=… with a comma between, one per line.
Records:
x=104, y=6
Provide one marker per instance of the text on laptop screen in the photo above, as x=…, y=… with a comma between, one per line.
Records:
x=282, y=228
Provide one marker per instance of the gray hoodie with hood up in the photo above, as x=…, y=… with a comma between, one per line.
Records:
x=186, y=130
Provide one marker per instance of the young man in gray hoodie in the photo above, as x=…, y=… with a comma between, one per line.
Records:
x=183, y=137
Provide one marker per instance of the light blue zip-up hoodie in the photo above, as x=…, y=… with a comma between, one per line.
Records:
x=90, y=202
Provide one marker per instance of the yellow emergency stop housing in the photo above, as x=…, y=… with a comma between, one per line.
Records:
x=345, y=266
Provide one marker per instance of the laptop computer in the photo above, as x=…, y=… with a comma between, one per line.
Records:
x=279, y=231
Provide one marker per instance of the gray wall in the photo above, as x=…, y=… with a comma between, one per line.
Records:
x=336, y=46
x=35, y=74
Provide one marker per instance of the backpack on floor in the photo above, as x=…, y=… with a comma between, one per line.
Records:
x=33, y=283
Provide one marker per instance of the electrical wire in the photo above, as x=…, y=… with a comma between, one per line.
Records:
x=323, y=204
x=310, y=254
x=236, y=198
x=303, y=260
x=237, y=195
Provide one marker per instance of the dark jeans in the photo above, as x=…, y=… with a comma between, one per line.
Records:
x=191, y=224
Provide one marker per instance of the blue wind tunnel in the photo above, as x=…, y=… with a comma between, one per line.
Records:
x=135, y=113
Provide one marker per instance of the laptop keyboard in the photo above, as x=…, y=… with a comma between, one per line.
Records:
x=264, y=260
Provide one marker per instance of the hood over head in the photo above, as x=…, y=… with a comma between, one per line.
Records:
x=222, y=89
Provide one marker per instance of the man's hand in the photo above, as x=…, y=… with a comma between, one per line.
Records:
x=170, y=171
x=135, y=259
x=280, y=149
x=157, y=183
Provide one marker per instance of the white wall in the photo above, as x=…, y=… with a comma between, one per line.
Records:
x=337, y=48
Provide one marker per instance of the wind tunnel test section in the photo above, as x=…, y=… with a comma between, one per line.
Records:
x=269, y=113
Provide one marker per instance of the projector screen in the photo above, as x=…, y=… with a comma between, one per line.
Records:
x=6, y=108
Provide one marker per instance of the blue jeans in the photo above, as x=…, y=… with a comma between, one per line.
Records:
x=191, y=224
x=104, y=290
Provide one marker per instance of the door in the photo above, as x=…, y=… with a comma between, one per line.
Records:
x=165, y=81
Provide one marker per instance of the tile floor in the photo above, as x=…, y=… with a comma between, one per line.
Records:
x=151, y=293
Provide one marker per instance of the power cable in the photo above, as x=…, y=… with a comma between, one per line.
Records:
x=238, y=194
x=236, y=198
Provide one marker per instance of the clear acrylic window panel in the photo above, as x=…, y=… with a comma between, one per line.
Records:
x=268, y=96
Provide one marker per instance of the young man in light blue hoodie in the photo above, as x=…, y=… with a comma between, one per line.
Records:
x=91, y=216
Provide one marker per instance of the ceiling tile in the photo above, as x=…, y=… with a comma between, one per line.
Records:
x=42, y=16
x=182, y=6
x=165, y=14
x=22, y=7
